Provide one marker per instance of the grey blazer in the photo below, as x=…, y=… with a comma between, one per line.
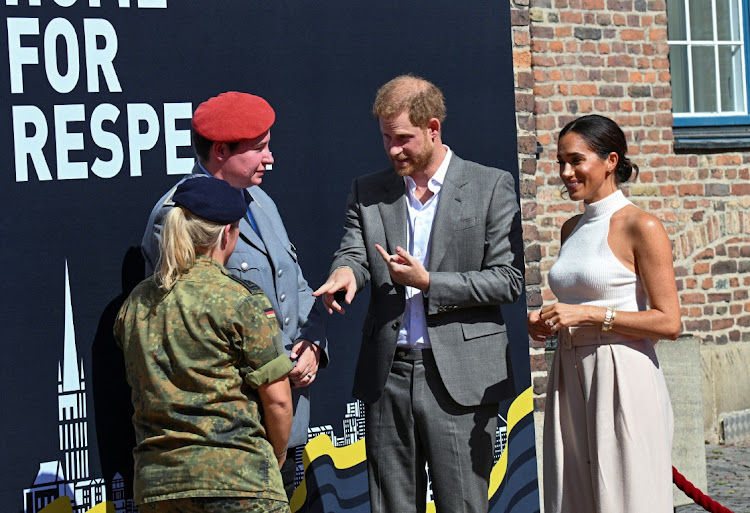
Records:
x=269, y=261
x=475, y=266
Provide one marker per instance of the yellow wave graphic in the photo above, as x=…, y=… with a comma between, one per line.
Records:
x=59, y=505
x=350, y=455
x=522, y=405
x=104, y=507
x=342, y=457
x=62, y=505
x=347, y=457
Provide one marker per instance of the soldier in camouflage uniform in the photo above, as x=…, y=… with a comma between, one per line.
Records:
x=208, y=374
x=231, y=136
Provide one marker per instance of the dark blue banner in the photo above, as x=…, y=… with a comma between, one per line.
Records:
x=95, y=103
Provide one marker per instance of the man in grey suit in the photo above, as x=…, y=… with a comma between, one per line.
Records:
x=439, y=240
x=231, y=137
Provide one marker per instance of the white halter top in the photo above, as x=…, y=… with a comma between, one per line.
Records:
x=587, y=272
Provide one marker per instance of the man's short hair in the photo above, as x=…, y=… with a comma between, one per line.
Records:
x=202, y=146
x=415, y=95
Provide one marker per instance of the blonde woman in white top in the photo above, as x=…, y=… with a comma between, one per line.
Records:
x=608, y=418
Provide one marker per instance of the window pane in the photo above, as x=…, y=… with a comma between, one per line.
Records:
x=701, y=20
x=676, y=20
x=680, y=82
x=730, y=79
x=704, y=79
x=728, y=20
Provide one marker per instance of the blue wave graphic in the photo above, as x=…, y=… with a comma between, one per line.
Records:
x=518, y=492
x=333, y=489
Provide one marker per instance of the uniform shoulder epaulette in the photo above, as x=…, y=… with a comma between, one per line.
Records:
x=250, y=286
x=168, y=202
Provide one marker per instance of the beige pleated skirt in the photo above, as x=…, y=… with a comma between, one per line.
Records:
x=607, y=427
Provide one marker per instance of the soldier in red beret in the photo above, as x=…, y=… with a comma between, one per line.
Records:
x=231, y=136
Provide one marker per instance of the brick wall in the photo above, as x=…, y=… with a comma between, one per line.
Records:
x=610, y=57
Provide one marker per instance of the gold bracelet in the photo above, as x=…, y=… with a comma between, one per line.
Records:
x=609, y=319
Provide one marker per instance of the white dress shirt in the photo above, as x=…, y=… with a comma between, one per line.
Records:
x=413, y=332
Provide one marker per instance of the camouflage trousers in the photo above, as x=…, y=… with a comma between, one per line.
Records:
x=215, y=505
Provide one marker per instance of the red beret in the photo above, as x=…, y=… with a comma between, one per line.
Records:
x=232, y=117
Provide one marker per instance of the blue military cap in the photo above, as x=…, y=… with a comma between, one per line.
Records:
x=212, y=199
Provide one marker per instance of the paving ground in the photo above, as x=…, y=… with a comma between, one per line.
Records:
x=728, y=474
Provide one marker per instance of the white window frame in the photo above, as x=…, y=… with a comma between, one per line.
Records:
x=717, y=118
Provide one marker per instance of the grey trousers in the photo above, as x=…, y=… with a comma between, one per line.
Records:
x=416, y=421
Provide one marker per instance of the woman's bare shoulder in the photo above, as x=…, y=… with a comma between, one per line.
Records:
x=643, y=227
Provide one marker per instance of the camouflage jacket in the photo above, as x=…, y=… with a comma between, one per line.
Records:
x=194, y=358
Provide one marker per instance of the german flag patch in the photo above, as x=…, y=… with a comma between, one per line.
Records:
x=270, y=313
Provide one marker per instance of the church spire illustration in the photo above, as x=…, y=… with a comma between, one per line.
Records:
x=71, y=400
x=70, y=473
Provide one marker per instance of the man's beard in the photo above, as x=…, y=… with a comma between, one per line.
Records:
x=417, y=162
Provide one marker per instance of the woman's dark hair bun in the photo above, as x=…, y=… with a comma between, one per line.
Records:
x=604, y=136
x=625, y=168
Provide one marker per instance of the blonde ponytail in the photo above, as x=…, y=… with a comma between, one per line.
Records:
x=183, y=234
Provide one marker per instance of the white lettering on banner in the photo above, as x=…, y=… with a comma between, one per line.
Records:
x=96, y=58
x=141, y=141
x=66, y=142
x=60, y=27
x=31, y=133
x=106, y=140
x=25, y=147
x=17, y=54
x=174, y=138
x=100, y=57
x=68, y=46
x=141, y=4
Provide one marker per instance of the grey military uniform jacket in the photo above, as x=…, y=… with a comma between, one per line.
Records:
x=269, y=261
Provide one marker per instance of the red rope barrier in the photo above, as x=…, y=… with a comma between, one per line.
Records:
x=699, y=497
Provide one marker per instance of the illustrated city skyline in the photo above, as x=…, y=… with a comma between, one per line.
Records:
x=353, y=429
x=68, y=473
